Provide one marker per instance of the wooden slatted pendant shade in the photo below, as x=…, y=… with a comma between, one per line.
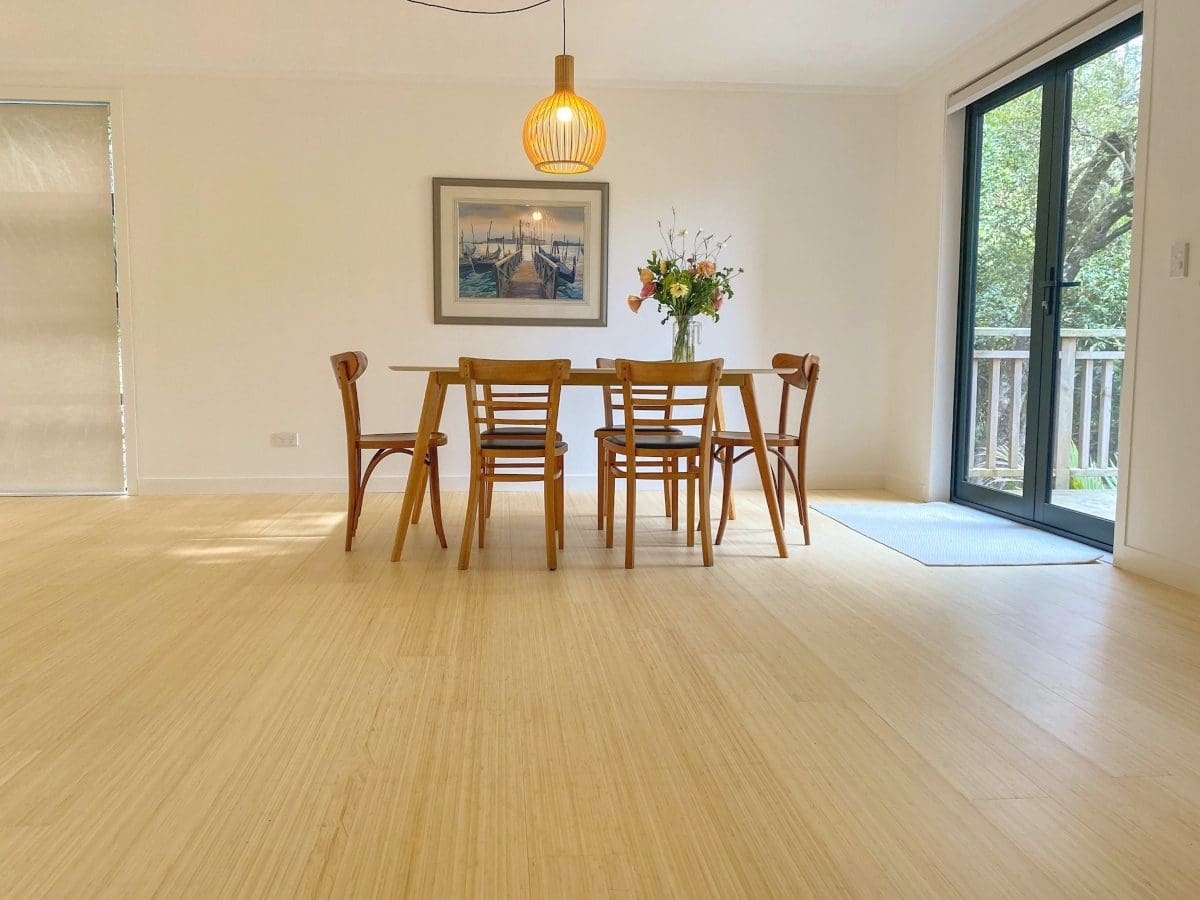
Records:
x=564, y=134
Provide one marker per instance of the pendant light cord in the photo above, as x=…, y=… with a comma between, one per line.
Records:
x=484, y=12
x=499, y=12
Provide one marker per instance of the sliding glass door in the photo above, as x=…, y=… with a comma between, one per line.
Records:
x=1048, y=208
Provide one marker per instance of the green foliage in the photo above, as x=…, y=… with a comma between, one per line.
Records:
x=1098, y=207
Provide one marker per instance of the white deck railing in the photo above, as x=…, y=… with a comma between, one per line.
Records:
x=1087, y=399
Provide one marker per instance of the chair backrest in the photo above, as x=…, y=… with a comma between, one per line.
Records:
x=641, y=409
x=528, y=395
x=613, y=399
x=348, y=368
x=806, y=370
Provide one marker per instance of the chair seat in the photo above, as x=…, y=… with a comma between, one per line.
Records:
x=656, y=442
x=742, y=439
x=532, y=448
x=404, y=440
x=606, y=431
x=534, y=431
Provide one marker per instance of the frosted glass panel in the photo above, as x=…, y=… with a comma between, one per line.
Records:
x=60, y=395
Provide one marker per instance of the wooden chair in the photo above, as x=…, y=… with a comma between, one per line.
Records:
x=665, y=451
x=730, y=447
x=348, y=368
x=532, y=433
x=509, y=457
x=609, y=429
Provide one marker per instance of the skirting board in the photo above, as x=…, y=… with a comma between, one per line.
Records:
x=320, y=484
x=1158, y=568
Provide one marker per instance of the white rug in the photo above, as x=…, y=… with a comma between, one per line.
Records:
x=947, y=534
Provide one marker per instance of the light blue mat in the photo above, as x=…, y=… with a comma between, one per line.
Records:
x=947, y=534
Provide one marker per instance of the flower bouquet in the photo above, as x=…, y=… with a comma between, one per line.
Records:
x=686, y=281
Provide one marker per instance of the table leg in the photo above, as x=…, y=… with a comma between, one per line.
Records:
x=721, y=427
x=431, y=414
x=764, y=466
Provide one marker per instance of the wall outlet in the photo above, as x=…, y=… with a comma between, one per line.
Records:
x=1179, y=260
x=285, y=439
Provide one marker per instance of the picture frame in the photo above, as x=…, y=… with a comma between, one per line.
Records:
x=514, y=252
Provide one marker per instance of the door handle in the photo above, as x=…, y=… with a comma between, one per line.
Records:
x=1051, y=287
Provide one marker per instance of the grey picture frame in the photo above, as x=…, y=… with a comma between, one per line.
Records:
x=597, y=317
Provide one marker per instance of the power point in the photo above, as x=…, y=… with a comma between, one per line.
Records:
x=285, y=439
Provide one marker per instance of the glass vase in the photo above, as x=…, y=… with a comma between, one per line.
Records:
x=685, y=336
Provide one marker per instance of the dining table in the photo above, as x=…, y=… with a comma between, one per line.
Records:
x=439, y=378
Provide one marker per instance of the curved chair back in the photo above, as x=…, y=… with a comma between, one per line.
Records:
x=806, y=370
x=348, y=368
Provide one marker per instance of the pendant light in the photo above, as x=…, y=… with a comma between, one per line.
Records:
x=563, y=133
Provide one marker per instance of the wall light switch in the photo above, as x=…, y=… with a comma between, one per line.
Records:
x=285, y=439
x=1179, y=260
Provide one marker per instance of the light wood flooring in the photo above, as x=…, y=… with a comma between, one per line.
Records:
x=206, y=697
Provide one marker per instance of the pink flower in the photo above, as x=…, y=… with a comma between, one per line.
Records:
x=635, y=302
x=718, y=302
x=648, y=289
x=706, y=267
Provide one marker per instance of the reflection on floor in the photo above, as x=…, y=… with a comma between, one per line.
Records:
x=1101, y=504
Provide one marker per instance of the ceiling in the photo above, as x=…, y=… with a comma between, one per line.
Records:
x=801, y=43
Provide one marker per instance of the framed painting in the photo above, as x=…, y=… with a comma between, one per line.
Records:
x=520, y=252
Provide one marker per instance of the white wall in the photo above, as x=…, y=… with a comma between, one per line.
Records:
x=1158, y=522
x=273, y=222
x=1160, y=531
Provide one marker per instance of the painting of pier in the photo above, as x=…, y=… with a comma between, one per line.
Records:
x=520, y=252
x=512, y=251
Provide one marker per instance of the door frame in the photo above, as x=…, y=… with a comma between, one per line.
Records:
x=1033, y=506
x=123, y=277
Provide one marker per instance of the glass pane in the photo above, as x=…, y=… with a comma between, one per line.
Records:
x=1008, y=205
x=1096, y=223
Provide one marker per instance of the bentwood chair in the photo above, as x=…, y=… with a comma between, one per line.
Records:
x=528, y=399
x=730, y=447
x=611, y=428
x=666, y=453
x=348, y=368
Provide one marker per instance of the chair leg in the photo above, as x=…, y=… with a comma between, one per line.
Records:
x=610, y=503
x=666, y=491
x=706, y=542
x=464, y=549
x=600, y=483
x=801, y=490
x=489, y=490
x=548, y=496
x=779, y=488
x=482, y=515
x=353, y=462
x=691, y=504
x=560, y=505
x=435, y=496
x=674, y=494
x=726, y=458
x=630, y=508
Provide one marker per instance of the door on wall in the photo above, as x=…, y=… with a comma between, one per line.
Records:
x=61, y=418
x=1048, y=208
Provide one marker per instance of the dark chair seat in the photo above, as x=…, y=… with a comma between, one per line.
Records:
x=742, y=439
x=398, y=439
x=656, y=442
x=533, y=448
x=606, y=431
